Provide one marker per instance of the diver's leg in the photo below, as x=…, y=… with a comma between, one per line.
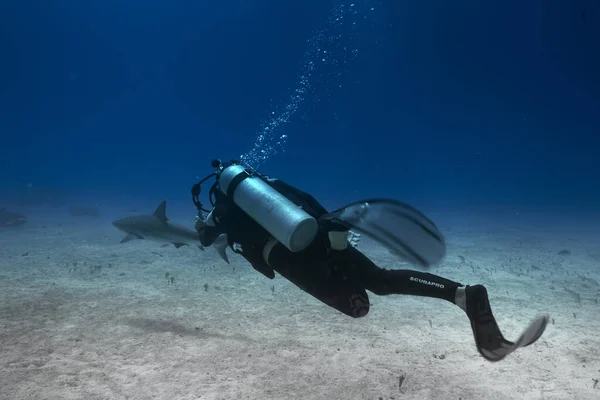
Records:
x=473, y=300
x=404, y=281
x=313, y=274
x=401, y=281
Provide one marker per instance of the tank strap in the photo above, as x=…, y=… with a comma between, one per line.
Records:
x=236, y=181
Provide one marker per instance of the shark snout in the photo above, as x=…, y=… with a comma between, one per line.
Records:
x=130, y=224
x=119, y=224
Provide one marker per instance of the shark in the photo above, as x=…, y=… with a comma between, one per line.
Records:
x=220, y=244
x=9, y=219
x=157, y=227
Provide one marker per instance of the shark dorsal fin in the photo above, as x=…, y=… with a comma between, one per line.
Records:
x=161, y=211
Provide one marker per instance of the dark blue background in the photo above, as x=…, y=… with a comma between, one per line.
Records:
x=449, y=104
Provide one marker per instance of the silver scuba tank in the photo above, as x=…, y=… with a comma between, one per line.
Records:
x=287, y=222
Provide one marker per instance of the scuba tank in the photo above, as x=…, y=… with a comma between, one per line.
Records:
x=287, y=222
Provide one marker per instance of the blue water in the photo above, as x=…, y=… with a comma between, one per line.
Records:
x=485, y=115
x=442, y=103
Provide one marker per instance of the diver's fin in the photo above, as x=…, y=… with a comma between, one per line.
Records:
x=129, y=237
x=534, y=331
x=178, y=245
x=529, y=336
x=220, y=244
x=161, y=211
x=396, y=225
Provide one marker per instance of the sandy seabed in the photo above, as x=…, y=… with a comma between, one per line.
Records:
x=84, y=317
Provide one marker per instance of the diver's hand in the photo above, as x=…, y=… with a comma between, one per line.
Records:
x=328, y=223
x=340, y=236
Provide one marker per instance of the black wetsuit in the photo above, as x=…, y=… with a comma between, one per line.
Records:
x=339, y=278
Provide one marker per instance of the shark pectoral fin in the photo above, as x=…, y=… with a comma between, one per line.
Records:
x=130, y=237
x=201, y=247
x=178, y=245
x=220, y=244
x=223, y=253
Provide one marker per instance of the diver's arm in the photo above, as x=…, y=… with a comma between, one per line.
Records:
x=308, y=202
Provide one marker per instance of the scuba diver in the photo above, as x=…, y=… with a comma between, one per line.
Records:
x=279, y=228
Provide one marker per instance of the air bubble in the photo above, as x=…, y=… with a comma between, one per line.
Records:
x=327, y=41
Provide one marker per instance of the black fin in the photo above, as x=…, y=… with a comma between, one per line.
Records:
x=533, y=332
x=398, y=226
